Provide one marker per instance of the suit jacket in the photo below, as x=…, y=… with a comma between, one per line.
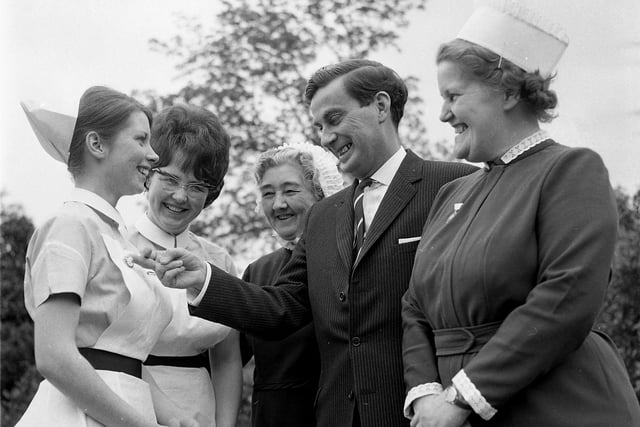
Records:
x=355, y=308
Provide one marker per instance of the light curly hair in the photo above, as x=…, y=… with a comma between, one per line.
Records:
x=318, y=167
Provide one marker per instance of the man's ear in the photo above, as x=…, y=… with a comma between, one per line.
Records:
x=510, y=101
x=382, y=101
x=95, y=146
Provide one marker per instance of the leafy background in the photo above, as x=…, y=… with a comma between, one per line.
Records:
x=250, y=66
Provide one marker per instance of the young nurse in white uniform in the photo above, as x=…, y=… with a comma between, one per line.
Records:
x=193, y=151
x=96, y=315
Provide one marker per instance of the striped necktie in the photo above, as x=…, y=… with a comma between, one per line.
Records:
x=358, y=216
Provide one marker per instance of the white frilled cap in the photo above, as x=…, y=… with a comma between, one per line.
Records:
x=516, y=33
x=329, y=177
x=53, y=130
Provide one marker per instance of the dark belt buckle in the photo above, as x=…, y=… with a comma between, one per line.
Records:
x=454, y=341
x=471, y=340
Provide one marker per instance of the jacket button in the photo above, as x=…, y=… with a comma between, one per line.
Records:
x=342, y=296
x=355, y=341
x=350, y=395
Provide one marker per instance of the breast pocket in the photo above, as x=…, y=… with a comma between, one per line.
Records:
x=407, y=244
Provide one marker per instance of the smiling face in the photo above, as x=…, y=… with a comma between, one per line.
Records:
x=475, y=111
x=173, y=209
x=285, y=199
x=130, y=157
x=353, y=133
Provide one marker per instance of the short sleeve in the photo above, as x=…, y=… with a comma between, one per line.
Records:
x=58, y=261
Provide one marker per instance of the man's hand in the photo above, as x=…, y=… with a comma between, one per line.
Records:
x=434, y=411
x=176, y=268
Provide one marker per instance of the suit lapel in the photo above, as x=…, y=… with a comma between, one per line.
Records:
x=344, y=227
x=400, y=192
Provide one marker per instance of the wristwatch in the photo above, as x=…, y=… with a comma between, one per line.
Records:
x=453, y=396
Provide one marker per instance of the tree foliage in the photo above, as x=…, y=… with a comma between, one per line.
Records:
x=250, y=65
x=620, y=316
x=19, y=376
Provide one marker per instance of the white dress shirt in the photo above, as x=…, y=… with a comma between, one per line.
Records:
x=382, y=178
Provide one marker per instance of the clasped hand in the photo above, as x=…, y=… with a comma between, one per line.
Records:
x=176, y=267
x=434, y=411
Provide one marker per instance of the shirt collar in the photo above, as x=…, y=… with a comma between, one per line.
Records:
x=97, y=203
x=160, y=237
x=387, y=171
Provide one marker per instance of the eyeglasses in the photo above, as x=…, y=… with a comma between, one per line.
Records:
x=171, y=183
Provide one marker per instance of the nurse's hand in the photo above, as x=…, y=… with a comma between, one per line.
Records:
x=176, y=267
x=434, y=411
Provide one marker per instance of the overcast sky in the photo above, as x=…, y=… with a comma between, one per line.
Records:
x=52, y=51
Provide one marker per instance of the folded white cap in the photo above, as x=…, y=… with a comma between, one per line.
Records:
x=53, y=130
x=516, y=33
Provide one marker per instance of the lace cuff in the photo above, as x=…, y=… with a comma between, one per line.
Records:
x=419, y=391
x=472, y=395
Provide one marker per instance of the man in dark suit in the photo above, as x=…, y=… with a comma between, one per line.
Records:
x=352, y=295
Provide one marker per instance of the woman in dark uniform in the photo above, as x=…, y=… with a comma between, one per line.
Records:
x=290, y=178
x=515, y=259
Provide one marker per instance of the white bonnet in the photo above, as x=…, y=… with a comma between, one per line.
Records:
x=329, y=177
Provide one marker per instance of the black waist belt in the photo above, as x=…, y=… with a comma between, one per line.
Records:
x=107, y=361
x=470, y=339
x=198, y=361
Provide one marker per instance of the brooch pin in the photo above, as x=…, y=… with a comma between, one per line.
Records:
x=456, y=208
x=129, y=261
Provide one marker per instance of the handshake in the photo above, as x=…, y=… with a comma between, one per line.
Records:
x=176, y=267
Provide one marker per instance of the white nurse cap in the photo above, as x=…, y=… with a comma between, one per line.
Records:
x=516, y=33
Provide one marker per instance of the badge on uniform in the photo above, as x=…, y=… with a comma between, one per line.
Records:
x=129, y=261
x=456, y=208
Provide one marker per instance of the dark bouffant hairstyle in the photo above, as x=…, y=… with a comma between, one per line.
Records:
x=195, y=138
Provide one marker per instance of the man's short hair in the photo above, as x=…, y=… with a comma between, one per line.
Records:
x=363, y=79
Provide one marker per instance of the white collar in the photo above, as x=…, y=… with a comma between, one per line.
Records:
x=96, y=202
x=387, y=171
x=160, y=237
x=524, y=145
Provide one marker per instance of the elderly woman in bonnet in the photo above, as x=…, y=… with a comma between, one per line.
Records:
x=96, y=315
x=290, y=178
x=515, y=259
